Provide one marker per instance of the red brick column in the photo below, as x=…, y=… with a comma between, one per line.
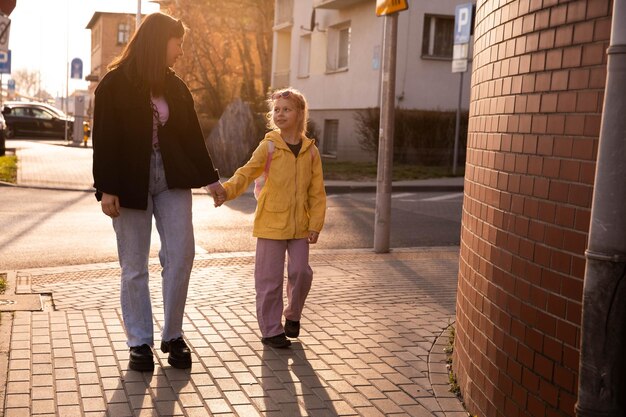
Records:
x=536, y=103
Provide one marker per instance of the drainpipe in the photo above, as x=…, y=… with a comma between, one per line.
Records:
x=602, y=372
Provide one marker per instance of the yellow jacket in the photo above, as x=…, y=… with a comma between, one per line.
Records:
x=293, y=200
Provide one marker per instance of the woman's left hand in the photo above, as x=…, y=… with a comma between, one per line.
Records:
x=312, y=236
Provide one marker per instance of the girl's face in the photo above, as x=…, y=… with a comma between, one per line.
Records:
x=286, y=116
x=173, y=51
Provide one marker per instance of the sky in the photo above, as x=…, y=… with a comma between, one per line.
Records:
x=46, y=34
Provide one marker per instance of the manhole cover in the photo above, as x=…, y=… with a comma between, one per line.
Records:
x=6, y=302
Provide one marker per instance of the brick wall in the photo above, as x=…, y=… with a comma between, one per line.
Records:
x=535, y=110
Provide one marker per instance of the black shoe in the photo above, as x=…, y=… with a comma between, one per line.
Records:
x=141, y=358
x=279, y=341
x=292, y=328
x=179, y=353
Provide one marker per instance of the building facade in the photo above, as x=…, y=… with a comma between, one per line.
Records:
x=535, y=113
x=331, y=50
x=110, y=32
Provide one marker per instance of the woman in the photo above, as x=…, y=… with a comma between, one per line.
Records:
x=149, y=153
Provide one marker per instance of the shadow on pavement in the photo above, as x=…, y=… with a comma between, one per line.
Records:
x=291, y=383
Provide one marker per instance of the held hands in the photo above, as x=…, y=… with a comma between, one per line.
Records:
x=110, y=205
x=313, y=236
x=218, y=193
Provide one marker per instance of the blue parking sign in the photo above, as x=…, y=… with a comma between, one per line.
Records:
x=463, y=23
x=5, y=62
x=77, y=68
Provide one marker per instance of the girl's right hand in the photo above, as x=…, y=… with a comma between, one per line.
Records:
x=110, y=205
x=218, y=193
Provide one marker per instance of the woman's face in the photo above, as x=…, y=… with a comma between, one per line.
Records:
x=174, y=50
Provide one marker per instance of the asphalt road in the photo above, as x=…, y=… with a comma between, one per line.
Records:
x=43, y=228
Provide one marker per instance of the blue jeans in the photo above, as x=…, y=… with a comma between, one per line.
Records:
x=172, y=213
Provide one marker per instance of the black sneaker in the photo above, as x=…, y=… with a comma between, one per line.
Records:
x=292, y=328
x=179, y=353
x=279, y=341
x=141, y=358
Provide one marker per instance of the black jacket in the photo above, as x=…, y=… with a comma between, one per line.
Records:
x=122, y=140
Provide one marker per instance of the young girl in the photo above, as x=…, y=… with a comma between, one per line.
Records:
x=289, y=215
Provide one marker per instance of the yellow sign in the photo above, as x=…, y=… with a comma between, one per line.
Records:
x=385, y=7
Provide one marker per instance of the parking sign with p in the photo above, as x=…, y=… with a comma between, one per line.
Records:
x=463, y=23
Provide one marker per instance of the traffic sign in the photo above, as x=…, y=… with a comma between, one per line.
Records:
x=11, y=89
x=77, y=68
x=385, y=7
x=459, y=65
x=463, y=23
x=5, y=62
x=5, y=25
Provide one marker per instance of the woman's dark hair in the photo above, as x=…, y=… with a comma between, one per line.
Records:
x=144, y=57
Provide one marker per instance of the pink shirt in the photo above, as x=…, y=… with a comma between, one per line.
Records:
x=164, y=113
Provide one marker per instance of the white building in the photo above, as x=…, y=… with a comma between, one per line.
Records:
x=331, y=50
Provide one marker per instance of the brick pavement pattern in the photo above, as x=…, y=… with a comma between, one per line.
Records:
x=372, y=341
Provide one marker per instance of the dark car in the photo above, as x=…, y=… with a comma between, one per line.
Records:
x=36, y=119
x=2, y=135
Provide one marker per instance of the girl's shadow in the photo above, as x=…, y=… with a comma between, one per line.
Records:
x=291, y=385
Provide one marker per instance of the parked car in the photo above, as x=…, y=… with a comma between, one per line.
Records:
x=3, y=126
x=36, y=119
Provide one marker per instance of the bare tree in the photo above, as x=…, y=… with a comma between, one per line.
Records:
x=26, y=82
x=228, y=51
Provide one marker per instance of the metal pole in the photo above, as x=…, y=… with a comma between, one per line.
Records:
x=67, y=61
x=602, y=370
x=138, y=16
x=385, y=138
x=457, y=128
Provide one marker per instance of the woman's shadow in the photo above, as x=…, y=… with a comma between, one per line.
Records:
x=158, y=390
x=291, y=386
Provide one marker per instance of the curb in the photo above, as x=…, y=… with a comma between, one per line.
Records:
x=330, y=189
x=346, y=189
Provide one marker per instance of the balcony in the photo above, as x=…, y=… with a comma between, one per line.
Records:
x=338, y=4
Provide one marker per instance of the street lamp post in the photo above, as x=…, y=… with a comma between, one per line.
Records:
x=385, y=141
x=138, y=16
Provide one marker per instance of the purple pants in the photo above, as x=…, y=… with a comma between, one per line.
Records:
x=268, y=280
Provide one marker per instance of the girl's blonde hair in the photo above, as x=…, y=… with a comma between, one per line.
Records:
x=296, y=98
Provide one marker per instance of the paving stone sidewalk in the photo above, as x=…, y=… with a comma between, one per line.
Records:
x=374, y=329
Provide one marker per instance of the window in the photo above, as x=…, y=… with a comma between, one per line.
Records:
x=344, y=48
x=338, y=56
x=41, y=114
x=123, y=33
x=95, y=37
x=331, y=131
x=304, y=55
x=438, y=36
x=284, y=12
x=21, y=112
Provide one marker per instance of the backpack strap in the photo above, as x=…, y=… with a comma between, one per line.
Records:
x=268, y=161
x=260, y=182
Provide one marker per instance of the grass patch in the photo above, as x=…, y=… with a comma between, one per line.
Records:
x=8, y=168
x=3, y=283
x=360, y=171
